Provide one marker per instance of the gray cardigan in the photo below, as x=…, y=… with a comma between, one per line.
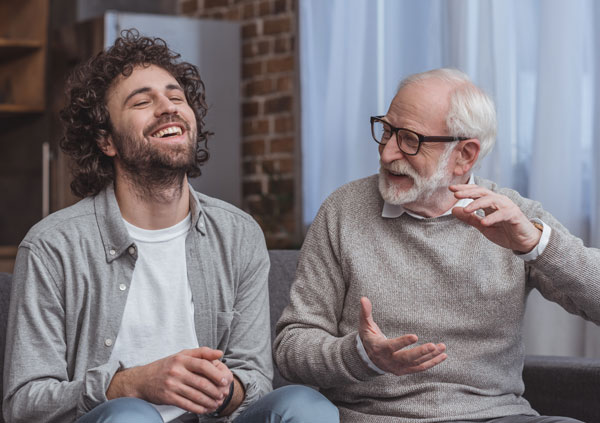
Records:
x=67, y=302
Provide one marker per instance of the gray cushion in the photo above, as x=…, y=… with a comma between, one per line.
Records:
x=281, y=276
x=563, y=386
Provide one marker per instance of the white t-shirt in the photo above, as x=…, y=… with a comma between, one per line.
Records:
x=158, y=320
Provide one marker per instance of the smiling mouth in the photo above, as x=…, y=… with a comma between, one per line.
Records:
x=396, y=173
x=170, y=131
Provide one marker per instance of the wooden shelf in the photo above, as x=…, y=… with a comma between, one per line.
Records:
x=18, y=109
x=12, y=48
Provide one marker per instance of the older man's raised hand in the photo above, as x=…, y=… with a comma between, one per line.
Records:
x=504, y=223
x=392, y=355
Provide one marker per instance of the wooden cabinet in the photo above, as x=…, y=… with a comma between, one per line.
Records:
x=23, y=35
x=23, y=124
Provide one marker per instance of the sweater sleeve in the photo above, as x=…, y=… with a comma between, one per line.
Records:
x=567, y=272
x=308, y=347
x=37, y=385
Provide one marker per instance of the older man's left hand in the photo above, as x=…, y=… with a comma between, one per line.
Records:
x=504, y=223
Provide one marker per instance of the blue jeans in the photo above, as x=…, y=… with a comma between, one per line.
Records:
x=289, y=404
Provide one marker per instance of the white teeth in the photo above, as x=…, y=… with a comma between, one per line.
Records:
x=167, y=131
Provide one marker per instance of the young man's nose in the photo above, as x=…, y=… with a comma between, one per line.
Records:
x=165, y=106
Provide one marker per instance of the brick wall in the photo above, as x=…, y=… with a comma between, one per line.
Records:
x=270, y=118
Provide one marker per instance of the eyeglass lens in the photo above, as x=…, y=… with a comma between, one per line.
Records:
x=407, y=141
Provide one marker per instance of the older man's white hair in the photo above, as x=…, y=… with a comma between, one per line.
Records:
x=471, y=112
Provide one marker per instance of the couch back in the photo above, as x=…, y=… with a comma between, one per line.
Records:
x=281, y=275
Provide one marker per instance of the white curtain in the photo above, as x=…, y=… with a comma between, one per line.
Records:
x=539, y=60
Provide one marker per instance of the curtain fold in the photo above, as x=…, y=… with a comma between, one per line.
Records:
x=538, y=60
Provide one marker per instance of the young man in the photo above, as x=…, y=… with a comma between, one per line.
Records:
x=426, y=251
x=145, y=301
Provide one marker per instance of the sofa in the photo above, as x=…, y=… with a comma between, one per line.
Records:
x=565, y=386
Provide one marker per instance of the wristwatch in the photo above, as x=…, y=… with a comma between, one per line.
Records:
x=223, y=406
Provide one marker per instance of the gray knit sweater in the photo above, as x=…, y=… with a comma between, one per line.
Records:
x=438, y=278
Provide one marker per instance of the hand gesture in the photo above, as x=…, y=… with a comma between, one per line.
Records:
x=391, y=355
x=504, y=223
x=194, y=380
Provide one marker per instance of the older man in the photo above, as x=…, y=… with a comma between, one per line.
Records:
x=427, y=252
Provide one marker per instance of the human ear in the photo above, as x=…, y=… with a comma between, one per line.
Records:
x=467, y=153
x=107, y=145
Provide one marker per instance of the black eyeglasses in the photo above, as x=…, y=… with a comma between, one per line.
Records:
x=409, y=142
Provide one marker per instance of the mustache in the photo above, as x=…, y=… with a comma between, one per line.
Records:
x=399, y=166
x=167, y=119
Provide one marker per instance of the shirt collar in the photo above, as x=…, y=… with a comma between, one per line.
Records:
x=115, y=237
x=391, y=211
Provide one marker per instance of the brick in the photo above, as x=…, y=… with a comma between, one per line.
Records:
x=248, y=168
x=282, y=145
x=252, y=69
x=280, y=64
x=249, y=30
x=264, y=8
x=258, y=87
x=255, y=48
x=277, y=25
x=253, y=148
x=282, y=186
x=251, y=187
x=209, y=4
x=256, y=206
x=278, y=105
x=255, y=127
x=289, y=222
x=189, y=7
x=280, y=6
x=249, y=11
x=283, y=45
x=279, y=166
x=284, y=124
x=250, y=109
x=285, y=84
x=233, y=14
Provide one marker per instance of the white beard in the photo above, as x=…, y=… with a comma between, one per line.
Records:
x=422, y=188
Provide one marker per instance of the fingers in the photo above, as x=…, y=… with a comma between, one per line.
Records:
x=193, y=400
x=367, y=325
x=420, y=358
x=469, y=218
x=205, y=353
x=401, y=342
x=217, y=374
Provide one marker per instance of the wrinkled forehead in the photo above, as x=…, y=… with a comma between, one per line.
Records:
x=422, y=105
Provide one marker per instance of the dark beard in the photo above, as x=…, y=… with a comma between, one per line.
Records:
x=155, y=171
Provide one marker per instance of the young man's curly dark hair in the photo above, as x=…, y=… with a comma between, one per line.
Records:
x=86, y=119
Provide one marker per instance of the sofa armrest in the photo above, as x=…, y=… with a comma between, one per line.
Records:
x=563, y=386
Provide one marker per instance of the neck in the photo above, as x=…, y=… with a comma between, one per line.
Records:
x=152, y=206
x=438, y=202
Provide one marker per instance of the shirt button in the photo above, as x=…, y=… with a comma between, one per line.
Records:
x=112, y=252
x=201, y=224
x=122, y=287
x=108, y=342
x=131, y=250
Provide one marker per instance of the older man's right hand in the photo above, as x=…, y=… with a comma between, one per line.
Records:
x=391, y=355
